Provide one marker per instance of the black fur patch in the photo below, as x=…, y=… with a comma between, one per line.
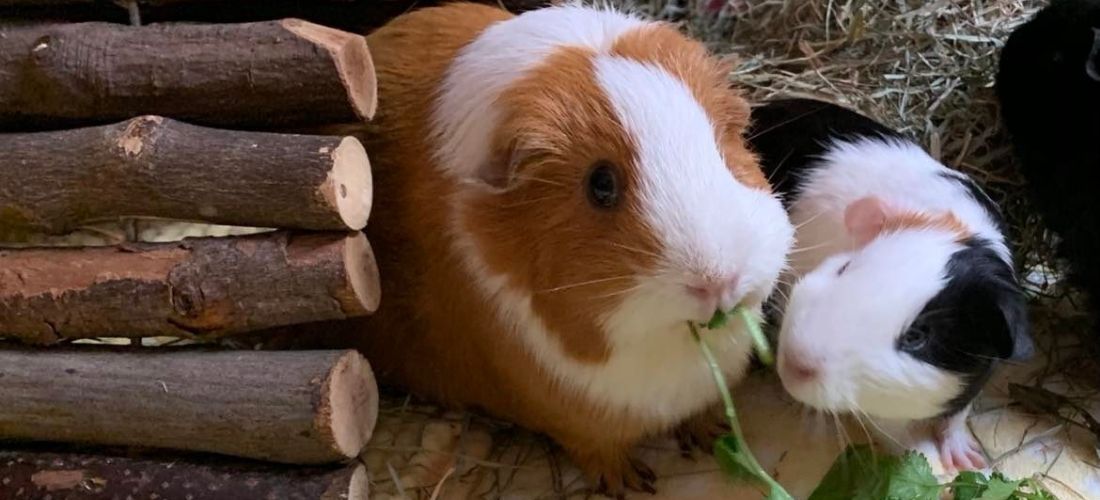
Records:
x=979, y=318
x=790, y=135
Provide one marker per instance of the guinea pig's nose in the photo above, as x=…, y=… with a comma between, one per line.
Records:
x=799, y=368
x=721, y=292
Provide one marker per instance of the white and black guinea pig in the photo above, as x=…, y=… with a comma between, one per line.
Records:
x=902, y=295
x=1048, y=85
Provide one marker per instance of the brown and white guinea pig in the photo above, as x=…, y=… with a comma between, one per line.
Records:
x=557, y=194
x=904, y=295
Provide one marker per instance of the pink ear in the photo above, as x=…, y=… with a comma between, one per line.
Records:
x=865, y=218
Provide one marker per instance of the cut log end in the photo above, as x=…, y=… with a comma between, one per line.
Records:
x=359, y=486
x=362, y=274
x=352, y=58
x=350, y=403
x=350, y=183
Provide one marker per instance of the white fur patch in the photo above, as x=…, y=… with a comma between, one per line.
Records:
x=706, y=221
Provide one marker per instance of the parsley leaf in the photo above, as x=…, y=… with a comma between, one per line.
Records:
x=912, y=479
x=846, y=475
x=999, y=488
x=968, y=485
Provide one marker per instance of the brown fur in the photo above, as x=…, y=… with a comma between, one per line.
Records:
x=946, y=221
x=434, y=333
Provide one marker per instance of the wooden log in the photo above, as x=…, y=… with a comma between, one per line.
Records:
x=30, y=474
x=204, y=287
x=142, y=3
x=150, y=3
x=254, y=74
x=298, y=407
x=356, y=16
x=54, y=182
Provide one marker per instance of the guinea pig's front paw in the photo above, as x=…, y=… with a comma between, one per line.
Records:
x=635, y=475
x=959, y=451
x=700, y=432
x=616, y=471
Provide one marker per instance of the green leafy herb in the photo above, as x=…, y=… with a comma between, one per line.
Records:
x=999, y=489
x=843, y=479
x=968, y=485
x=860, y=474
x=912, y=478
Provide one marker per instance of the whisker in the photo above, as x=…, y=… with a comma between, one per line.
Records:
x=859, y=420
x=881, y=430
x=538, y=179
x=585, y=283
x=647, y=253
x=783, y=294
x=780, y=124
x=840, y=434
x=778, y=166
x=811, y=219
x=529, y=201
x=620, y=292
x=806, y=249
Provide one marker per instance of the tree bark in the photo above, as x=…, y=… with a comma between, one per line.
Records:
x=53, y=182
x=95, y=476
x=296, y=407
x=260, y=74
x=205, y=287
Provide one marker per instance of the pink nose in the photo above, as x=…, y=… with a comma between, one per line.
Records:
x=800, y=368
x=720, y=292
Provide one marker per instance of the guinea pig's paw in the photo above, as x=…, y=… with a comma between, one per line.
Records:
x=635, y=475
x=617, y=473
x=959, y=451
x=700, y=432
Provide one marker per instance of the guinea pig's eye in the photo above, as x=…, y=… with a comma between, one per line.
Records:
x=914, y=338
x=603, y=185
x=843, y=268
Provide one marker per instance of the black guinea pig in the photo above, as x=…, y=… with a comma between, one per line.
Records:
x=1048, y=85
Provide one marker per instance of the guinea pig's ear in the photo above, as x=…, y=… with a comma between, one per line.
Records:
x=499, y=171
x=865, y=218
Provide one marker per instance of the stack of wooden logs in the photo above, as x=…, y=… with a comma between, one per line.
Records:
x=190, y=122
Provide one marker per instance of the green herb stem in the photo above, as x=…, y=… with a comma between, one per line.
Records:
x=777, y=491
x=763, y=350
x=719, y=379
